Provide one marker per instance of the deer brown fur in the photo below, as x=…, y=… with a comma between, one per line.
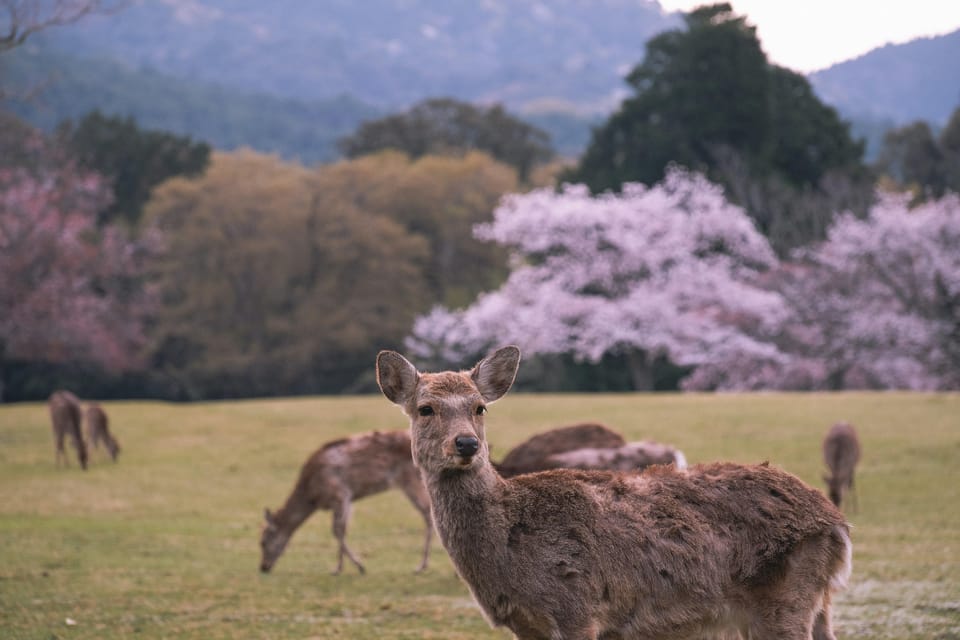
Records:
x=65, y=415
x=841, y=453
x=339, y=473
x=632, y=456
x=533, y=454
x=569, y=554
x=98, y=430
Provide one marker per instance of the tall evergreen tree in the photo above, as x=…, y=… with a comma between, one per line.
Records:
x=707, y=98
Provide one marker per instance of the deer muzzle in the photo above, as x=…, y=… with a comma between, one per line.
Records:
x=467, y=446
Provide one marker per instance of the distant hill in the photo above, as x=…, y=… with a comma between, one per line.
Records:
x=918, y=80
x=389, y=53
x=292, y=77
x=67, y=87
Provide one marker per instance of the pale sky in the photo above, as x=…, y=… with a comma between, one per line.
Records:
x=808, y=35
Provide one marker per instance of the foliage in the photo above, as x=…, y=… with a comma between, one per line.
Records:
x=676, y=272
x=163, y=544
x=133, y=159
x=273, y=284
x=444, y=125
x=439, y=198
x=917, y=161
x=877, y=305
x=707, y=94
x=652, y=272
x=70, y=289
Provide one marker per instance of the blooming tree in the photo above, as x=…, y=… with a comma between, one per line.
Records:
x=879, y=301
x=667, y=270
x=68, y=289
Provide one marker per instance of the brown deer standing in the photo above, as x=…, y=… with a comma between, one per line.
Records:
x=98, y=430
x=841, y=453
x=633, y=456
x=66, y=416
x=533, y=454
x=601, y=554
x=333, y=477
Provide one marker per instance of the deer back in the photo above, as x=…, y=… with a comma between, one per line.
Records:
x=534, y=453
x=633, y=456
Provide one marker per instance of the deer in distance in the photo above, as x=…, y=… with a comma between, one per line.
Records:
x=533, y=453
x=98, y=430
x=66, y=416
x=335, y=475
x=841, y=453
x=571, y=554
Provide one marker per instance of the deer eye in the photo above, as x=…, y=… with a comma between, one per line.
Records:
x=481, y=410
x=425, y=410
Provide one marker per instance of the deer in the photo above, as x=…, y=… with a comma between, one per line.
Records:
x=632, y=456
x=98, y=430
x=65, y=414
x=841, y=453
x=533, y=454
x=569, y=554
x=338, y=473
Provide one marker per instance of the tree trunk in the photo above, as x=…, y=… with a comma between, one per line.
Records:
x=641, y=372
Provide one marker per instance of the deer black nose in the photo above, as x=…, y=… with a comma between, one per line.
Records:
x=466, y=445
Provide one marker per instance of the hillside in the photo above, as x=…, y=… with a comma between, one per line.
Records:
x=918, y=80
x=386, y=52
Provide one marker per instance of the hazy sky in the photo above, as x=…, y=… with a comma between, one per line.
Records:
x=807, y=35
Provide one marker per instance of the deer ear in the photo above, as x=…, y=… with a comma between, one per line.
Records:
x=396, y=376
x=267, y=515
x=494, y=374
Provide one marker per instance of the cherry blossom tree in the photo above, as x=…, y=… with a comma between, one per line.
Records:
x=877, y=305
x=668, y=270
x=68, y=289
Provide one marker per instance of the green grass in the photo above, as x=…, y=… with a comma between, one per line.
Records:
x=164, y=543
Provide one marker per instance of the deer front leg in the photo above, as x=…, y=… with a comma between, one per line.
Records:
x=341, y=516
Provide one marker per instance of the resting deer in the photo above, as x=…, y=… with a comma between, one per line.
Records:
x=533, y=454
x=841, y=452
x=600, y=554
x=633, y=456
x=333, y=477
x=66, y=416
x=98, y=430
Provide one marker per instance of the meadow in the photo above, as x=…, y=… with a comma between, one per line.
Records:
x=164, y=543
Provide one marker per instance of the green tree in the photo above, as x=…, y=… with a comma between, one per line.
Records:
x=444, y=125
x=707, y=98
x=438, y=198
x=134, y=159
x=271, y=285
x=914, y=160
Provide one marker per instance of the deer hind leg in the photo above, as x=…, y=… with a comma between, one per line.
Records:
x=341, y=516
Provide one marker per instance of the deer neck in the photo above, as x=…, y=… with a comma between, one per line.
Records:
x=467, y=506
x=292, y=514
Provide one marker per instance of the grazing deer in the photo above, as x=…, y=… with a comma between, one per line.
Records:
x=333, y=477
x=600, y=554
x=65, y=415
x=841, y=452
x=98, y=430
x=533, y=454
x=633, y=456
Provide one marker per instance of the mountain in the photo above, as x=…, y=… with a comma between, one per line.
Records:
x=64, y=87
x=918, y=80
x=389, y=53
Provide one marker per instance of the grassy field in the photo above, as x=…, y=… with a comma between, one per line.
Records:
x=164, y=543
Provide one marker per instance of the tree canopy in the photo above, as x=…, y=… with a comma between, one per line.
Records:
x=707, y=96
x=445, y=125
x=134, y=160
